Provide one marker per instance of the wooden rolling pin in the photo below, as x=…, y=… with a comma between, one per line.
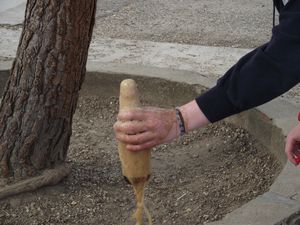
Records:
x=135, y=165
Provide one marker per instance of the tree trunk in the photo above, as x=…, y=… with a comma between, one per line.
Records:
x=42, y=92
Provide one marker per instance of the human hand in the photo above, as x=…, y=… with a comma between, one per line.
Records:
x=144, y=128
x=292, y=146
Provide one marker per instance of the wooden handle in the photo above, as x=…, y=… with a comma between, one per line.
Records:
x=135, y=165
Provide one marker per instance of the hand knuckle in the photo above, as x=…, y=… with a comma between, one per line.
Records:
x=127, y=138
x=130, y=127
x=150, y=125
x=130, y=114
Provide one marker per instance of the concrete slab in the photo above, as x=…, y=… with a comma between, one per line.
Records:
x=10, y=4
x=264, y=210
x=286, y=184
x=5, y=65
x=184, y=76
x=205, y=60
x=283, y=113
x=12, y=11
x=9, y=41
x=208, y=61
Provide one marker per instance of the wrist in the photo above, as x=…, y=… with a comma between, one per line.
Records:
x=193, y=116
x=173, y=131
x=180, y=122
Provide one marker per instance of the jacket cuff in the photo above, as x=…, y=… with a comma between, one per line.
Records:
x=215, y=104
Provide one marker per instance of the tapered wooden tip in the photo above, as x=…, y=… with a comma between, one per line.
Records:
x=128, y=88
x=129, y=95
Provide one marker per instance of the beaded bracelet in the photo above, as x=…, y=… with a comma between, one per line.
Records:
x=180, y=122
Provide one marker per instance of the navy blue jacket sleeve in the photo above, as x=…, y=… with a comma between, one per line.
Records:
x=262, y=74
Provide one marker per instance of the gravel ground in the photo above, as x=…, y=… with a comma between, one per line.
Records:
x=234, y=23
x=197, y=179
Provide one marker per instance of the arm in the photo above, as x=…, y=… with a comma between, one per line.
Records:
x=261, y=75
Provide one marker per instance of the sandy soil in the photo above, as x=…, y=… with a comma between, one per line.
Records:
x=198, y=178
x=234, y=23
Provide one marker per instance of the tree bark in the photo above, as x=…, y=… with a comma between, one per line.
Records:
x=42, y=92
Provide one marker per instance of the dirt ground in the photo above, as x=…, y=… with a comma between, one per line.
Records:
x=233, y=23
x=198, y=178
